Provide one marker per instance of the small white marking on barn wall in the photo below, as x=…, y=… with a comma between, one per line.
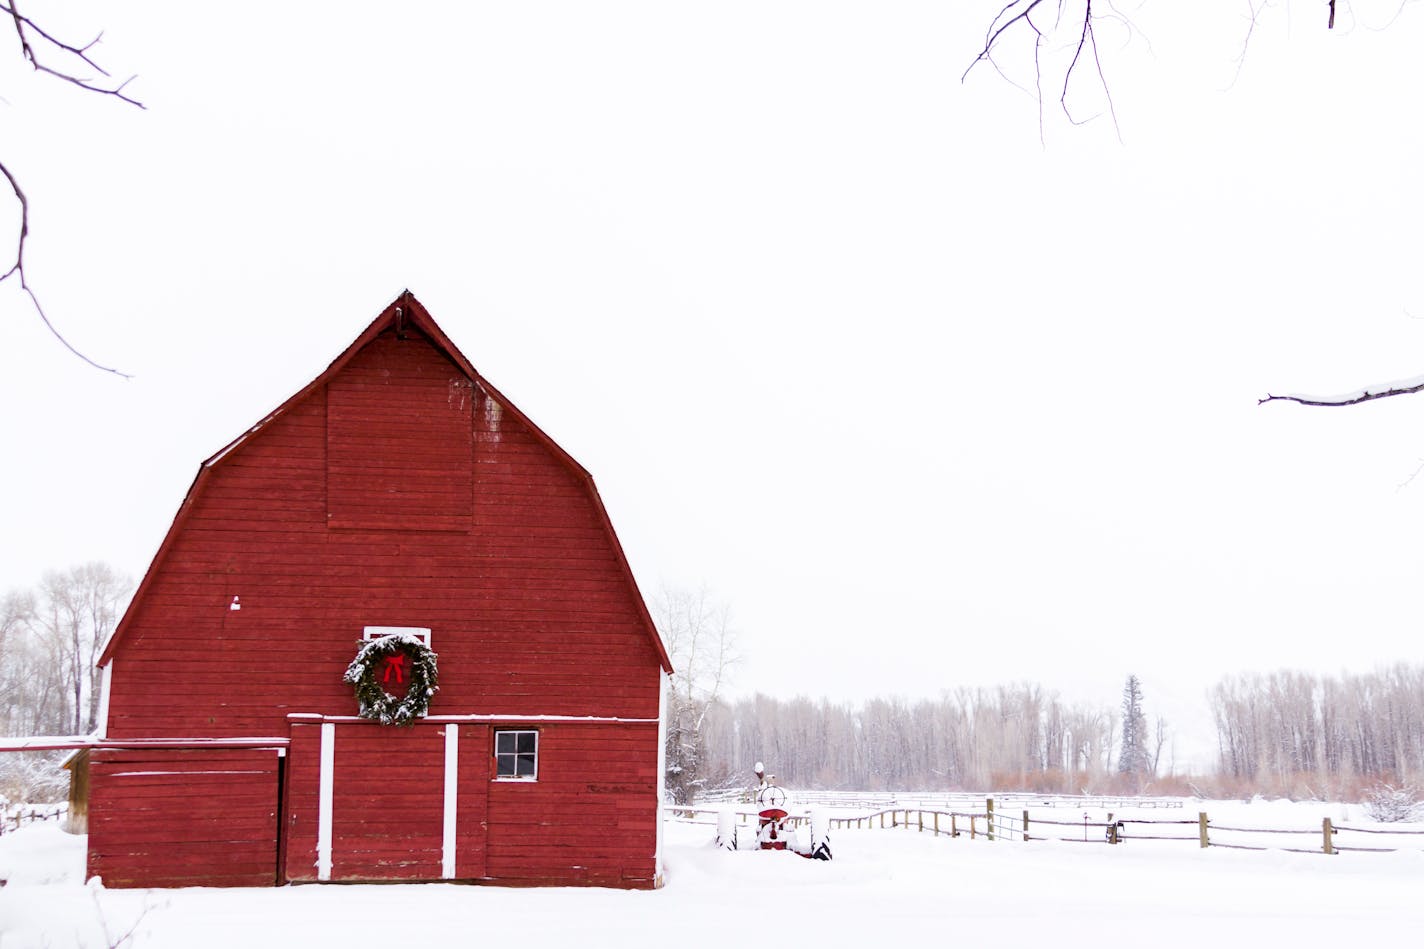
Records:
x=452, y=772
x=493, y=414
x=456, y=397
x=324, y=801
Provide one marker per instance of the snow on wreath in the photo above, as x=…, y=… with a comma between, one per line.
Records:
x=382, y=668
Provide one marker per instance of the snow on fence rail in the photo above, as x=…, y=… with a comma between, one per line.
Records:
x=994, y=822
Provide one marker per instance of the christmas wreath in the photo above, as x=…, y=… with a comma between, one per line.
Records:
x=394, y=660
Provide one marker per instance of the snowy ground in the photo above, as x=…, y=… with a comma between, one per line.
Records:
x=884, y=887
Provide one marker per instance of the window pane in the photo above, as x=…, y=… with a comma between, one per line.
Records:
x=504, y=743
x=525, y=766
x=526, y=742
x=504, y=766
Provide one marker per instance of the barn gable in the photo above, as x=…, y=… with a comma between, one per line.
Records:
x=397, y=490
x=399, y=460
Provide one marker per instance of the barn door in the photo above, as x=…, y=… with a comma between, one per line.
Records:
x=373, y=802
x=472, y=820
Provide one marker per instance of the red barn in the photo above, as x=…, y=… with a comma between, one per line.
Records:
x=401, y=502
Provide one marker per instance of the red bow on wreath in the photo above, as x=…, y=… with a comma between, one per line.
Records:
x=397, y=665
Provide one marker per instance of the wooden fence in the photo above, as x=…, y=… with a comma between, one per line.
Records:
x=997, y=823
x=15, y=816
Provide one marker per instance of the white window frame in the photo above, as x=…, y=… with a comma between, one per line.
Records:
x=524, y=778
x=372, y=633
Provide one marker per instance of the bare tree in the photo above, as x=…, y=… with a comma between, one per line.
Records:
x=1160, y=735
x=78, y=608
x=17, y=610
x=700, y=639
x=74, y=64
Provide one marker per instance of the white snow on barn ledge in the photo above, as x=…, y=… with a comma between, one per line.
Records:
x=893, y=887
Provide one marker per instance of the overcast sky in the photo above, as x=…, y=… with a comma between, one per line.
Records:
x=931, y=393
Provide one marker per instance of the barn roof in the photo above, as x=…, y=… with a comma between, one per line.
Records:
x=405, y=311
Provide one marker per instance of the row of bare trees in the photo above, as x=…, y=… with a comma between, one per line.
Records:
x=1286, y=729
x=1282, y=733
x=50, y=637
x=1009, y=736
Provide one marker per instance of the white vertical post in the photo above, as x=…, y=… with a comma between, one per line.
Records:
x=105, y=675
x=324, y=800
x=452, y=785
x=662, y=774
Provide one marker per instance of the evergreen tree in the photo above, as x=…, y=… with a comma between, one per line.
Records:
x=1134, y=759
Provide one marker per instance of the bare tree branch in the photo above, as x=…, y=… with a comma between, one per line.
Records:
x=17, y=269
x=1352, y=398
x=1026, y=22
x=1017, y=19
x=997, y=30
x=25, y=28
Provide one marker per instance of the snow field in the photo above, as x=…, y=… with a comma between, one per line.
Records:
x=892, y=886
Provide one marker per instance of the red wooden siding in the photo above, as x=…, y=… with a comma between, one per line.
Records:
x=530, y=607
x=399, y=440
x=183, y=817
x=301, y=805
x=472, y=795
x=589, y=819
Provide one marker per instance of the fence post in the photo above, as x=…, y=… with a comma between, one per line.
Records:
x=1201, y=823
x=1025, y=825
x=953, y=824
x=936, y=823
x=1329, y=833
x=882, y=820
x=989, y=812
x=920, y=818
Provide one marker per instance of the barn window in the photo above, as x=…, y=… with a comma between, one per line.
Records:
x=516, y=755
x=422, y=633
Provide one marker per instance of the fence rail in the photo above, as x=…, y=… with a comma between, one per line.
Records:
x=997, y=823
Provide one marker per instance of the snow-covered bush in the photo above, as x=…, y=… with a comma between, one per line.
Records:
x=1388, y=804
x=34, y=776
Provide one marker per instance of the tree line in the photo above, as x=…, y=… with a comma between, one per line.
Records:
x=1008, y=737
x=50, y=636
x=1294, y=732
x=1287, y=733
x=1284, y=733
